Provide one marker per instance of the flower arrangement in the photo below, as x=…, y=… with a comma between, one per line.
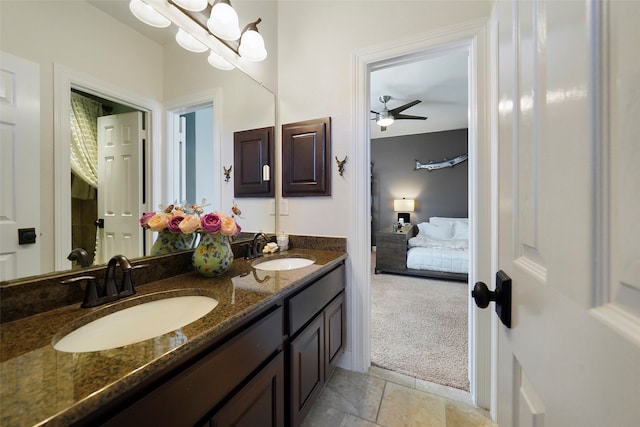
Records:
x=190, y=219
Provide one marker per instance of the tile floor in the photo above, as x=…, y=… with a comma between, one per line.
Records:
x=388, y=399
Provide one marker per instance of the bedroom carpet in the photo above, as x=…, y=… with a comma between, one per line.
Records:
x=419, y=328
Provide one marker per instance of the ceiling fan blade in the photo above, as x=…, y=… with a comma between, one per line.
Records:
x=401, y=108
x=374, y=112
x=409, y=117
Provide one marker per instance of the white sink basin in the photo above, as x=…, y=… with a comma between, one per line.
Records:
x=289, y=263
x=137, y=323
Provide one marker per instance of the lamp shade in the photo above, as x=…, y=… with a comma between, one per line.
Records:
x=148, y=14
x=215, y=60
x=252, y=44
x=223, y=21
x=189, y=42
x=404, y=205
x=192, y=5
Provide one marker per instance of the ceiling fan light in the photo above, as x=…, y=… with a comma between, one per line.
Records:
x=189, y=42
x=148, y=14
x=223, y=21
x=192, y=5
x=217, y=61
x=252, y=44
x=384, y=119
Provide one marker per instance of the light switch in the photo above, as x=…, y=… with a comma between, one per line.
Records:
x=272, y=207
x=284, y=207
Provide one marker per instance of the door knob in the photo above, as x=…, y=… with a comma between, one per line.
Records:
x=99, y=223
x=502, y=296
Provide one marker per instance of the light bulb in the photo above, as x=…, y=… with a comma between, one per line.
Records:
x=148, y=14
x=252, y=46
x=223, y=22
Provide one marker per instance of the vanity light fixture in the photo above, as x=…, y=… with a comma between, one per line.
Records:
x=223, y=21
x=217, y=61
x=203, y=27
x=252, y=43
x=192, y=5
x=148, y=14
x=189, y=42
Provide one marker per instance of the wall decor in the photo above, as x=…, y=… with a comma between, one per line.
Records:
x=253, y=155
x=227, y=173
x=443, y=164
x=306, y=158
x=341, y=164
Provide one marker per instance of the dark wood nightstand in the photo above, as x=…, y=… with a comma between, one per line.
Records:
x=391, y=249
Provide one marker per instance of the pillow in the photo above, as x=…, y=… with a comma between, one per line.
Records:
x=460, y=231
x=439, y=220
x=434, y=231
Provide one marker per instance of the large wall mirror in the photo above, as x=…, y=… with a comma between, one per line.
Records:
x=98, y=51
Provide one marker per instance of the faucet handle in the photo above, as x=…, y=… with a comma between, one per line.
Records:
x=91, y=290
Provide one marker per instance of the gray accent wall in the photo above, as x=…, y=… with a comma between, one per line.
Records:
x=441, y=192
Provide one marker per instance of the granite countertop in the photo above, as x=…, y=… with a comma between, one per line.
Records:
x=43, y=386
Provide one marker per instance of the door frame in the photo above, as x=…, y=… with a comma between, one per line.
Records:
x=474, y=36
x=64, y=79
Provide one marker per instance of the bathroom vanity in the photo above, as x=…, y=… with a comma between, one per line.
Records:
x=260, y=357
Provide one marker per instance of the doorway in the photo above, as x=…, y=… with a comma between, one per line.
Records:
x=86, y=183
x=475, y=38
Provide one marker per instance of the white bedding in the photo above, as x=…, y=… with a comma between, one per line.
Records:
x=441, y=245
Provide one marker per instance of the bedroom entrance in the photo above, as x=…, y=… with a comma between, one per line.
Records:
x=419, y=322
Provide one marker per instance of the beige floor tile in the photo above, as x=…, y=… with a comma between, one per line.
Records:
x=459, y=415
x=404, y=406
x=394, y=377
x=322, y=415
x=354, y=393
x=353, y=421
x=444, y=391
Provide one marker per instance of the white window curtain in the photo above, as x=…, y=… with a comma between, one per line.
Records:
x=84, y=144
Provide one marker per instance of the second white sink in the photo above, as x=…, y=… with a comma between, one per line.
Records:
x=288, y=263
x=137, y=323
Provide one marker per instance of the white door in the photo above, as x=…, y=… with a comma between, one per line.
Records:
x=19, y=166
x=120, y=141
x=569, y=212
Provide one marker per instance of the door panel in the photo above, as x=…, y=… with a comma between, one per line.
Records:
x=19, y=165
x=120, y=139
x=560, y=364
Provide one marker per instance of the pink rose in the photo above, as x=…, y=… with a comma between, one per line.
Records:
x=145, y=218
x=189, y=224
x=158, y=222
x=210, y=223
x=174, y=223
x=238, y=230
x=228, y=225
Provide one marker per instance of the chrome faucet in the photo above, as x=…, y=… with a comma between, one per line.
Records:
x=95, y=296
x=254, y=250
x=80, y=255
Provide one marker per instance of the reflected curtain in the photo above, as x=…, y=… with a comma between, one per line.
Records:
x=84, y=145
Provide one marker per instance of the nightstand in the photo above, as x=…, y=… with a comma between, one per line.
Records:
x=391, y=249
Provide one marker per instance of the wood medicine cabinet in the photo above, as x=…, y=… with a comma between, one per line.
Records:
x=253, y=155
x=306, y=158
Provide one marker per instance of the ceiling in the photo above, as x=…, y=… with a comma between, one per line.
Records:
x=439, y=81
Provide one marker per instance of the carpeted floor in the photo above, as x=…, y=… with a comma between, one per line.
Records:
x=419, y=328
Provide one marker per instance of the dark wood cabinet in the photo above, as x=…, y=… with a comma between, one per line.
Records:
x=306, y=158
x=316, y=323
x=391, y=249
x=259, y=403
x=253, y=158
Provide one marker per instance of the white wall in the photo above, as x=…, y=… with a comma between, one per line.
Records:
x=316, y=42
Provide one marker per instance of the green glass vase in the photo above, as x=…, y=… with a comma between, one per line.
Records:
x=168, y=242
x=213, y=256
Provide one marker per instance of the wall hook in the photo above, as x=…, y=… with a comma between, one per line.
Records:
x=341, y=164
x=227, y=173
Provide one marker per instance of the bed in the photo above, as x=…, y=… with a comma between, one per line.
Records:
x=440, y=248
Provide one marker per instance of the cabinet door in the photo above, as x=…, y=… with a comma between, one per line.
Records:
x=253, y=154
x=307, y=369
x=334, y=328
x=259, y=403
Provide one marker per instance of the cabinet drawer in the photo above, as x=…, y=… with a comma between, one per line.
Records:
x=191, y=394
x=306, y=304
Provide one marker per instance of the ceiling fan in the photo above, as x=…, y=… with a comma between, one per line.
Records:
x=386, y=117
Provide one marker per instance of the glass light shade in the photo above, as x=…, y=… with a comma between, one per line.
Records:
x=189, y=42
x=404, y=205
x=384, y=119
x=223, y=22
x=219, y=62
x=252, y=46
x=148, y=14
x=192, y=5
